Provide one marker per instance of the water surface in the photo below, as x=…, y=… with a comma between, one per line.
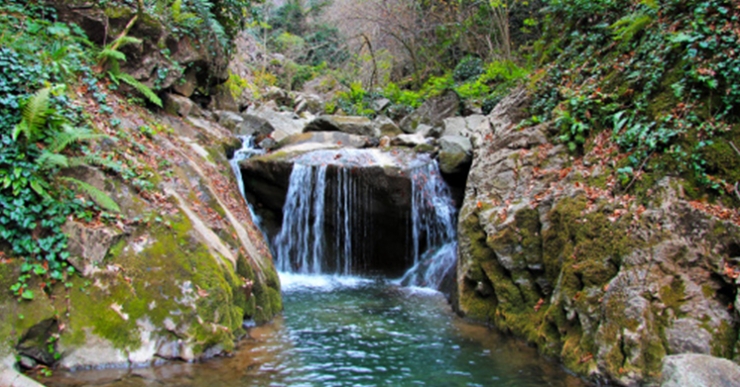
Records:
x=342, y=331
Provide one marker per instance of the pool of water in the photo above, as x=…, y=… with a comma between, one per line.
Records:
x=354, y=332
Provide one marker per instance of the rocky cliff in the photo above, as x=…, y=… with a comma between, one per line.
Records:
x=181, y=270
x=551, y=251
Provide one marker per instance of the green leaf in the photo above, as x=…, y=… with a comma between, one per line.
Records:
x=98, y=196
x=141, y=88
x=27, y=295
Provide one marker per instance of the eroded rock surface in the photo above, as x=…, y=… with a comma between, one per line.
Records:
x=608, y=284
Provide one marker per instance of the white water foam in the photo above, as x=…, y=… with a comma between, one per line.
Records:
x=316, y=282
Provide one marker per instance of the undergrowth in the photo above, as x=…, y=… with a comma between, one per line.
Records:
x=661, y=75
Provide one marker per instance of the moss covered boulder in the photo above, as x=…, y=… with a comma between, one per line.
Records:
x=174, y=276
x=609, y=283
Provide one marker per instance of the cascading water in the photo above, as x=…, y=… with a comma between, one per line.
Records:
x=326, y=220
x=433, y=223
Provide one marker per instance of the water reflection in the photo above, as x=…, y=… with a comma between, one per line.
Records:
x=353, y=332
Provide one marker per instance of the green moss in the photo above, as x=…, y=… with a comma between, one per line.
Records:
x=674, y=295
x=724, y=339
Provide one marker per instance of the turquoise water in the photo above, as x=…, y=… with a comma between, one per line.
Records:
x=353, y=332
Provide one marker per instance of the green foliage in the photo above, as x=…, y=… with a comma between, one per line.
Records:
x=660, y=74
x=111, y=57
x=468, y=68
x=98, y=196
x=39, y=54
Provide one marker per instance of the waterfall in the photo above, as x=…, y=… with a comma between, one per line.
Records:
x=433, y=228
x=248, y=149
x=326, y=225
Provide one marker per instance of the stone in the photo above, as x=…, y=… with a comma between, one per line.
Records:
x=280, y=96
x=96, y=353
x=429, y=131
x=357, y=125
x=463, y=126
x=254, y=125
x=27, y=363
x=699, y=370
x=385, y=141
x=324, y=140
x=432, y=112
x=311, y=103
x=11, y=378
x=229, y=119
x=264, y=120
x=455, y=154
x=410, y=140
x=386, y=126
x=186, y=85
x=221, y=99
x=381, y=104
x=687, y=336
x=88, y=246
x=177, y=105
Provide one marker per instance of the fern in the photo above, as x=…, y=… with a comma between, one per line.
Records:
x=33, y=116
x=112, y=57
x=96, y=160
x=141, y=88
x=111, y=54
x=98, y=196
x=49, y=160
x=70, y=134
x=183, y=18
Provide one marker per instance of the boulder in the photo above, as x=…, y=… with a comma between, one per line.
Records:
x=254, y=125
x=357, y=125
x=463, y=126
x=311, y=103
x=264, y=120
x=88, y=246
x=177, y=105
x=386, y=126
x=222, y=99
x=409, y=140
x=186, y=85
x=432, y=112
x=381, y=104
x=609, y=285
x=280, y=96
x=455, y=154
x=229, y=119
x=324, y=140
x=699, y=370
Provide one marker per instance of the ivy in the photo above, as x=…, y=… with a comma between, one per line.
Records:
x=662, y=75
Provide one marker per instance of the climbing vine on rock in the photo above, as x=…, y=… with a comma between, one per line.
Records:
x=661, y=75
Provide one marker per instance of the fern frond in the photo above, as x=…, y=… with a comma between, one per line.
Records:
x=48, y=160
x=98, y=196
x=111, y=54
x=70, y=135
x=33, y=116
x=96, y=160
x=141, y=88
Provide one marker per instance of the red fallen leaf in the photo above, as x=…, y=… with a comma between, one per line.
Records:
x=586, y=357
x=479, y=205
x=539, y=304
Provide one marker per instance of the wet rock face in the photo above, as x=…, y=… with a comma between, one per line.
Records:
x=609, y=286
x=380, y=188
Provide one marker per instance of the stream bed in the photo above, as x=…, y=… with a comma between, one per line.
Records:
x=345, y=331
